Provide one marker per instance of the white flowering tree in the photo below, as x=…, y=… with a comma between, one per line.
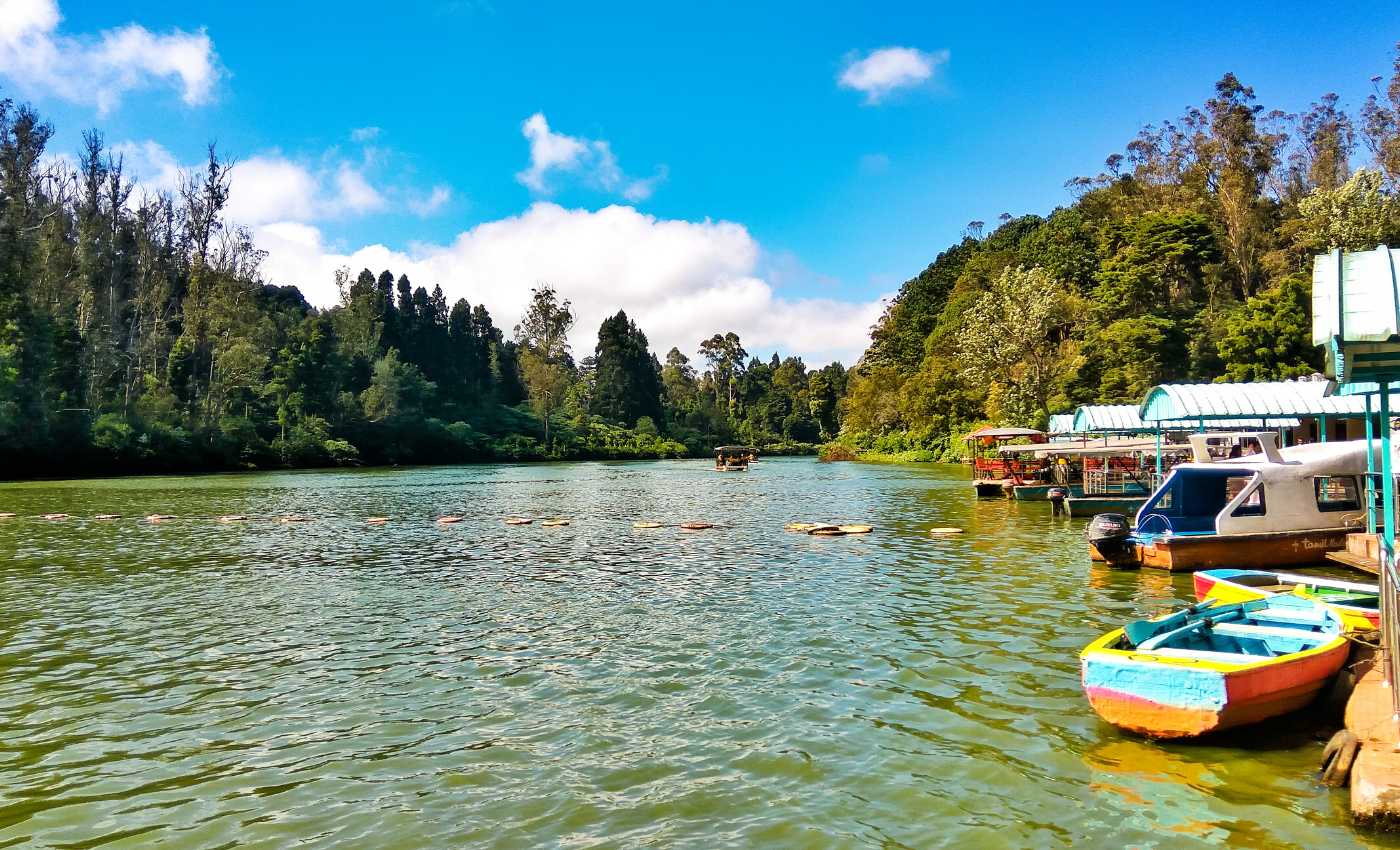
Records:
x=1016, y=343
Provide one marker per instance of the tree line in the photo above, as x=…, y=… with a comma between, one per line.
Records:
x=137, y=334
x=1189, y=258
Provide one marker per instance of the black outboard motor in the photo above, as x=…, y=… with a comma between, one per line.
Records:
x=1112, y=536
x=1057, y=496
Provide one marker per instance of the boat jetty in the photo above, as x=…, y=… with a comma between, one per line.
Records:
x=1247, y=486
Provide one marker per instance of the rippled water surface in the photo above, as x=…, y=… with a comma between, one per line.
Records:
x=191, y=684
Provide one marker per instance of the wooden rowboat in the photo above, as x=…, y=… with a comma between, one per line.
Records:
x=1214, y=666
x=1358, y=604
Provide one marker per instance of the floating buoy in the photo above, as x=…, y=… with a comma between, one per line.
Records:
x=950, y=529
x=233, y=518
x=376, y=520
x=515, y=520
x=108, y=516
x=6, y=515
x=57, y=517
x=555, y=523
x=856, y=529
x=646, y=524
x=801, y=526
x=827, y=531
x=294, y=518
x=448, y=520
x=159, y=517
x=696, y=526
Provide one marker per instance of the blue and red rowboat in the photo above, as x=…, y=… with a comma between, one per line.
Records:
x=1214, y=666
x=1359, y=604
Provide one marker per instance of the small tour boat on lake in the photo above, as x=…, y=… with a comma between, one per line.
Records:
x=998, y=468
x=734, y=458
x=1278, y=507
x=1359, y=604
x=1214, y=666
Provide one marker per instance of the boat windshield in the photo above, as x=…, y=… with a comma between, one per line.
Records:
x=1191, y=499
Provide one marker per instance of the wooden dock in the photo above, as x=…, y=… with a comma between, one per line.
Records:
x=1362, y=554
x=1375, y=775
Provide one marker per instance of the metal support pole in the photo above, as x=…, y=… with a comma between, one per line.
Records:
x=1370, y=469
x=1387, y=551
x=1159, y=452
x=1322, y=428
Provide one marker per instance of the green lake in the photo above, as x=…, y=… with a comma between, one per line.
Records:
x=191, y=684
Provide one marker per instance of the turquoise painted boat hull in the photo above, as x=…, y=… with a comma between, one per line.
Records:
x=1093, y=505
x=1041, y=492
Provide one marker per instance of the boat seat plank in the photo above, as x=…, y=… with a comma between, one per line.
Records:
x=1252, y=631
x=1207, y=655
x=1302, y=618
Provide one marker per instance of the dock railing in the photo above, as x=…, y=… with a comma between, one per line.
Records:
x=1390, y=627
x=1120, y=482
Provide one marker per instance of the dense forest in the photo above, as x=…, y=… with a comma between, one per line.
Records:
x=136, y=334
x=1188, y=259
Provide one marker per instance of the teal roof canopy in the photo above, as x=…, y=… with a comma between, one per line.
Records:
x=1060, y=423
x=1277, y=403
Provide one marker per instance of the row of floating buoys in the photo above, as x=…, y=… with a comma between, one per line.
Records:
x=816, y=529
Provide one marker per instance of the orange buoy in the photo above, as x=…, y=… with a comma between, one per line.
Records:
x=696, y=526
x=555, y=523
x=233, y=518
x=107, y=516
x=376, y=520
x=448, y=520
x=515, y=520
x=159, y=517
x=950, y=529
x=57, y=517
x=646, y=524
x=6, y=514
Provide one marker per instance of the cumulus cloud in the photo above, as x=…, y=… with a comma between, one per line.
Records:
x=99, y=69
x=590, y=160
x=680, y=280
x=364, y=134
x=889, y=69
x=271, y=187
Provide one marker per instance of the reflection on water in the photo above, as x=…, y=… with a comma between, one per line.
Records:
x=193, y=684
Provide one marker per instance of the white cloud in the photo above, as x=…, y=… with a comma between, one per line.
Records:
x=364, y=134
x=271, y=188
x=888, y=69
x=99, y=69
x=436, y=200
x=354, y=195
x=680, y=280
x=591, y=160
x=149, y=163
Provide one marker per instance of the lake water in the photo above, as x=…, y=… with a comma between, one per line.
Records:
x=191, y=684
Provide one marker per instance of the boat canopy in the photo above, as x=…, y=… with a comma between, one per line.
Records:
x=1277, y=403
x=1112, y=447
x=735, y=450
x=1314, y=486
x=993, y=432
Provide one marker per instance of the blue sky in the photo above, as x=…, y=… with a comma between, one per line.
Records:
x=726, y=113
